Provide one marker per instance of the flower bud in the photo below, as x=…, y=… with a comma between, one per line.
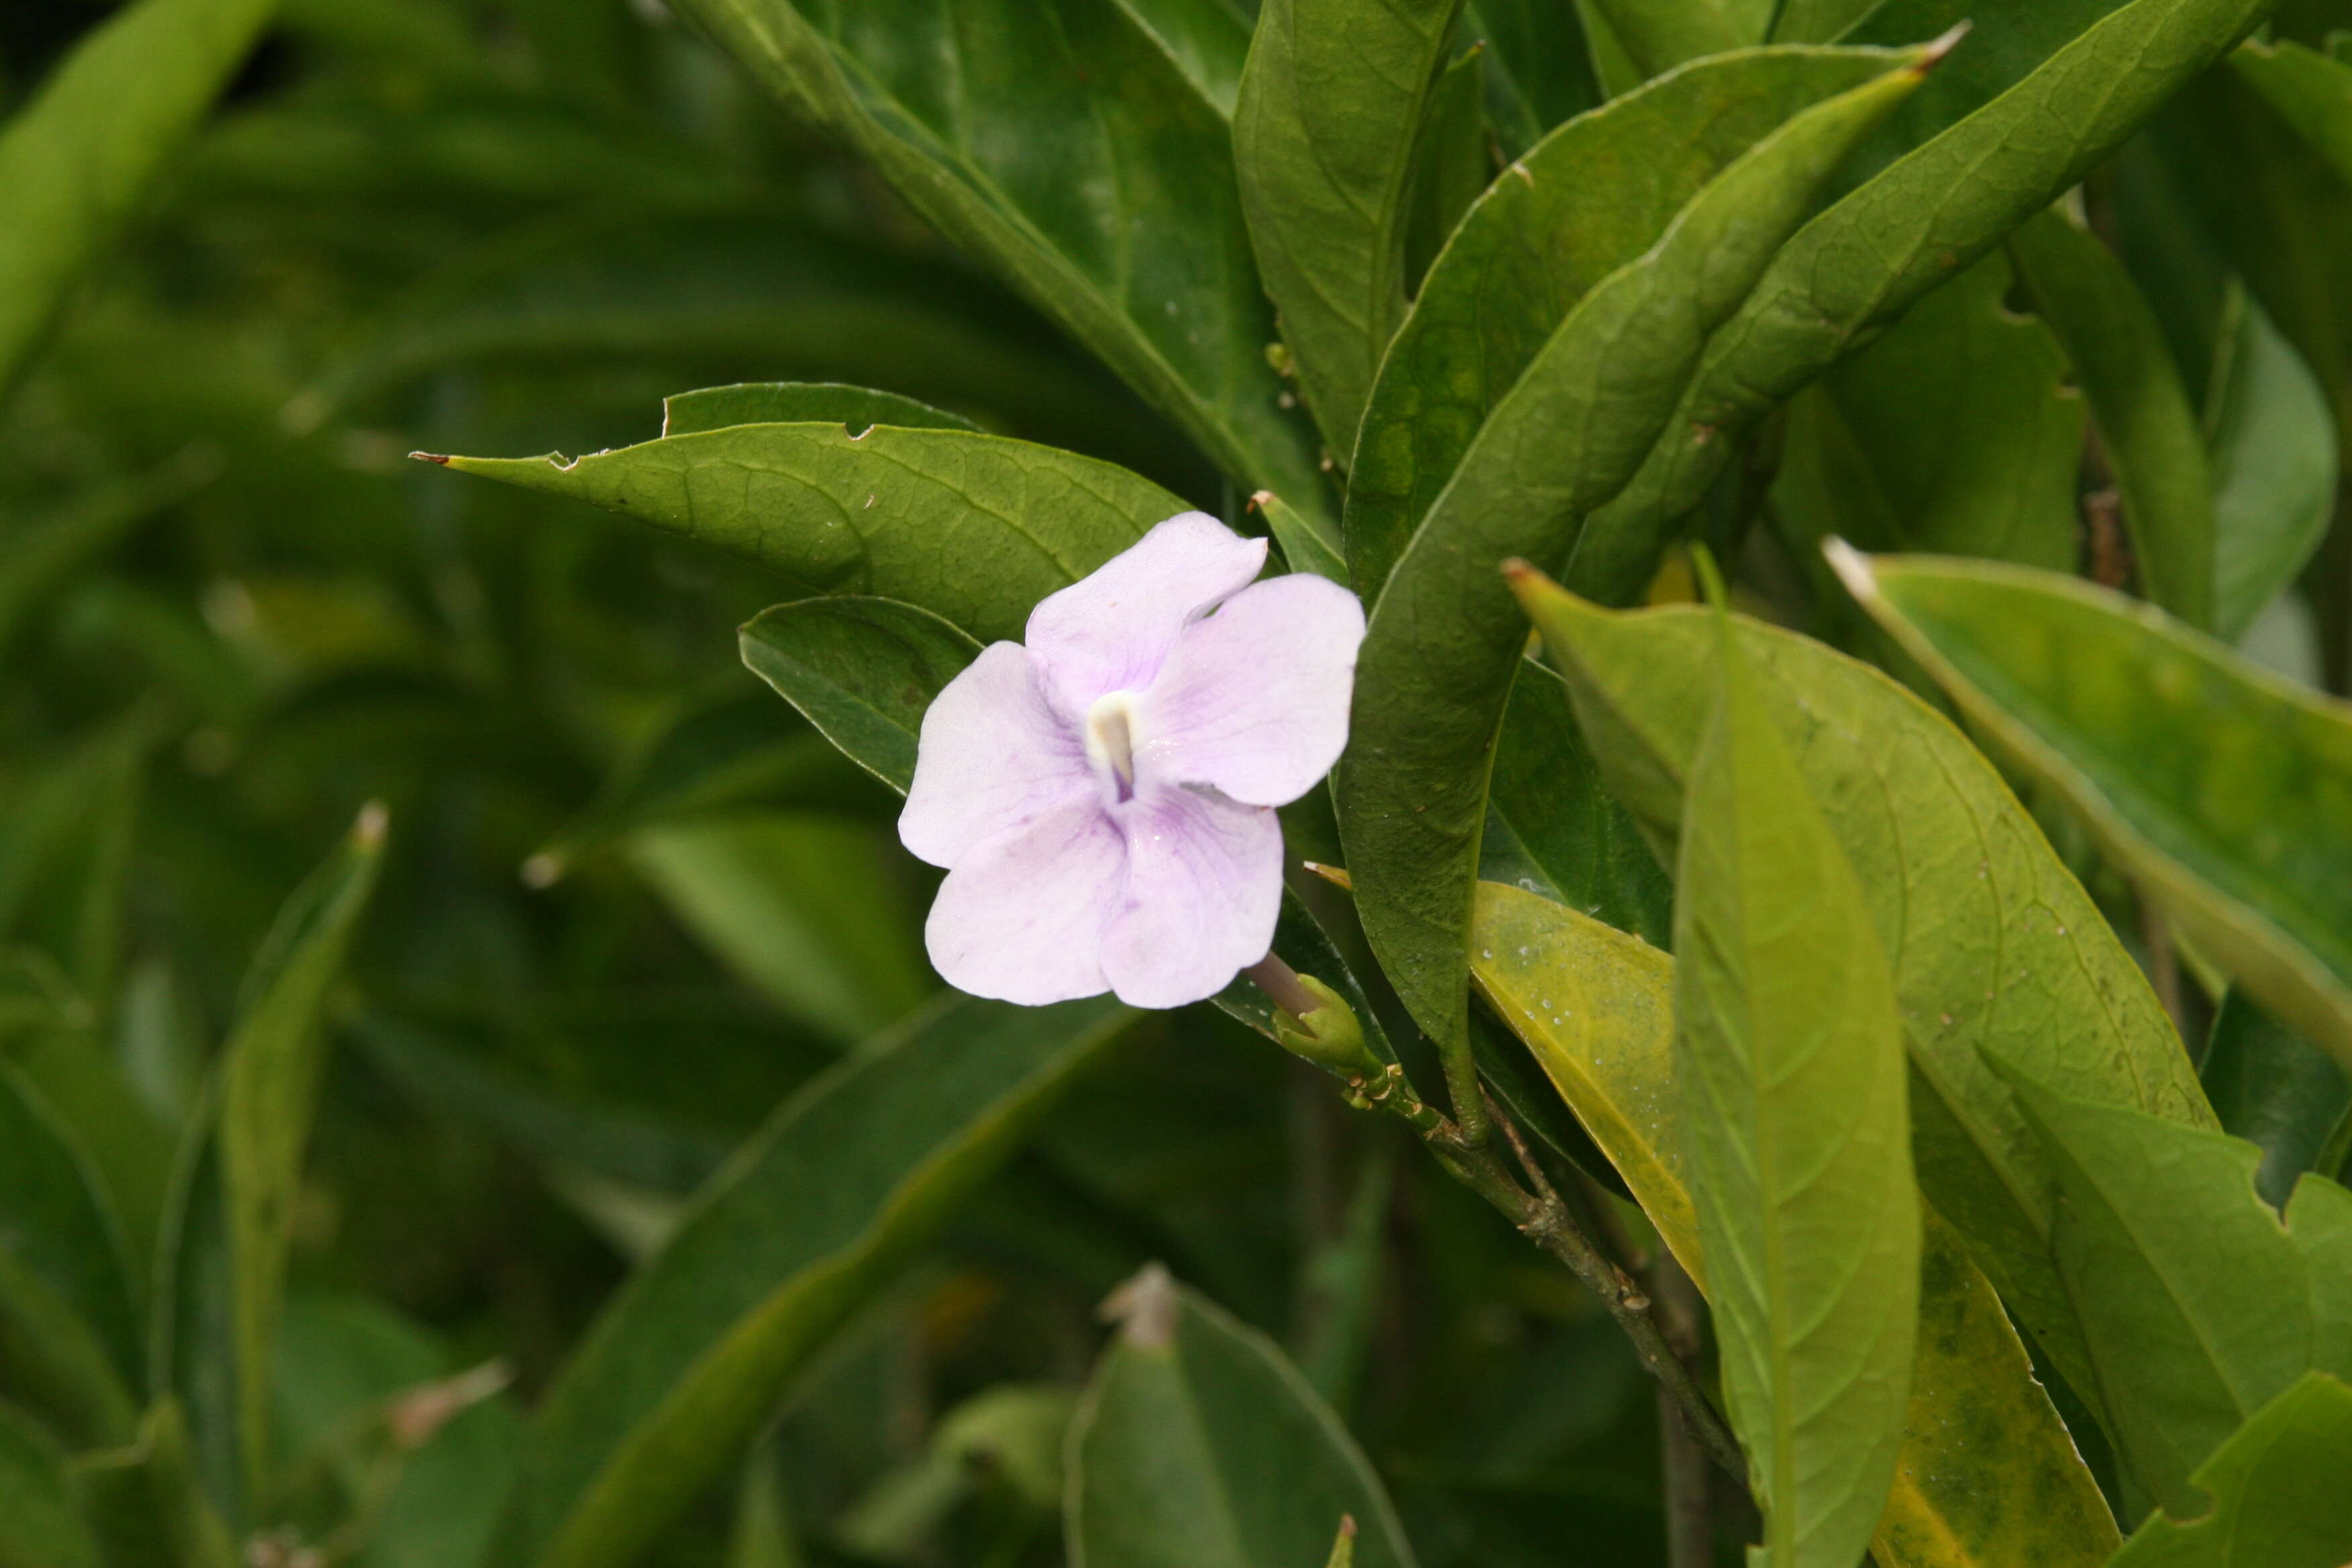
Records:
x=1329, y=1035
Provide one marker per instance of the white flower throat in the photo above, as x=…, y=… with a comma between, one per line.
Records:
x=1111, y=724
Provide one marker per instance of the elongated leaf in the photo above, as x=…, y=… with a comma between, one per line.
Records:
x=859, y=408
x=2275, y=465
x=62, y=1231
x=1330, y=106
x=2276, y=1091
x=861, y=670
x=1442, y=645
x=65, y=850
x=2245, y=835
x=2150, y=432
x=1956, y=432
x=2311, y=91
x=1452, y=161
x=1987, y=1475
x=1856, y=267
x=819, y=1211
x=1303, y=549
x=2199, y=1307
x=1538, y=67
x=1208, y=39
x=143, y=1501
x=1660, y=37
x=1199, y=1445
x=39, y=558
x=1591, y=197
x=975, y=529
x=38, y=1526
x=83, y=1086
x=53, y=1363
x=1788, y=1052
x=997, y=127
x=1994, y=944
x=75, y=161
x=2278, y=1498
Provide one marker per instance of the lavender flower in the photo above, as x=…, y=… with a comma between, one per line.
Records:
x=1102, y=798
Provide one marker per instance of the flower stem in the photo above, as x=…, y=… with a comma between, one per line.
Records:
x=1280, y=984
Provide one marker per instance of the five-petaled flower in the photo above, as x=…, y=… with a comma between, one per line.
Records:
x=1102, y=797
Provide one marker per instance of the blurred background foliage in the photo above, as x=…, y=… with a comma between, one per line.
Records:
x=629, y=902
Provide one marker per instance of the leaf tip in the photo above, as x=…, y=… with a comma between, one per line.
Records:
x=1931, y=54
x=543, y=869
x=1335, y=874
x=440, y=460
x=1258, y=499
x=1144, y=1308
x=368, y=830
x=1852, y=567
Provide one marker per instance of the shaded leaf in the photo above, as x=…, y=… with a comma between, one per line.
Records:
x=144, y=1502
x=975, y=529
x=1208, y=39
x=2150, y=434
x=2311, y=92
x=1538, y=68
x=813, y=1217
x=1442, y=644
x=1994, y=944
x=863, y=671
x=2275, y=1089
x=2273, y=437
x=2245, y=835
x=859, y=408
x=39, y=559
x=38, y=1526
x=1987, y=1475
x=76, y=159
x=1856, y=267
x=1303, y=549
x=1001, y=129
x=1324, y=133
x=2199, y=1307
x=1454, y=161
x=1199, y=1445
x=2277, y=1489
x=1660, y=37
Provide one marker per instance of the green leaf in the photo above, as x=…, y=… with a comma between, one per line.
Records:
x=1661, y=37
x=2273, y=437
x=38, y=1525
x=66, y=833
x=2311, y=91
x=63, y=1238
x=1303, y=549
x=2150, y=434
x=84, y=1087
x=1208, y=39
x=74, y=162
x=1987, y=1475
x=1859, y=266
x=863, y=671
x=1819, y=21
x=1007, y=128
x=1956, y=432
x=143, y=1501
x=1587, y=200
x=1551, y=826
x=2277, y=1492
x=814, y=1215
x=859, y=408
x=1452, y=161
x=1797, y=1134
x=975, y=529
x=1435, y=672
x=802, y=906
x=1199, y=1445
x=1331, y=105
x=2243, y=834
x=1993, y=943
x=2199, y=1307
x=2275, y=1089
x=39, y=558
x=1538, y=67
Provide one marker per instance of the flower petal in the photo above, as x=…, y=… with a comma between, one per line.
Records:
x=992, y=755
x=1255, y=700
x=1203, y=888
x=1108, y=631
x=1021, y=917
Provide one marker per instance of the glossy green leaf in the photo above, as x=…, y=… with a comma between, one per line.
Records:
x=1199, y=1445
x=1590, y=198
x=2311, y=92
x=1435, y=671
x=1324, y=133
x=1003, y=129
x=1994, y=944
x=2276, y=1091
x=2273, y=437
x=861, y=670
x=76, y=159
x=859, y=408
x=38, y=1525
x=2150, y=434
x=62, y=1234
x=1956, y=432
x=2244, y=835
x=1661, y=37
x=1552, y=827
x=144, y=1502
x=1790, y=1063
x=2199, y=1307
x=2276, y=1491
x=813, y=1217
x=1987, y=1475
x=973, y=528
x=1859, y=266
x=808, y=908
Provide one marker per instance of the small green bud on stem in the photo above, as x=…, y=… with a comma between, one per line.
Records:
x=1314, y=1021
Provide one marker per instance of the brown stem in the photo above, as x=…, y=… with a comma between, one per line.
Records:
x=2163, y=965
x=1690, y=1521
